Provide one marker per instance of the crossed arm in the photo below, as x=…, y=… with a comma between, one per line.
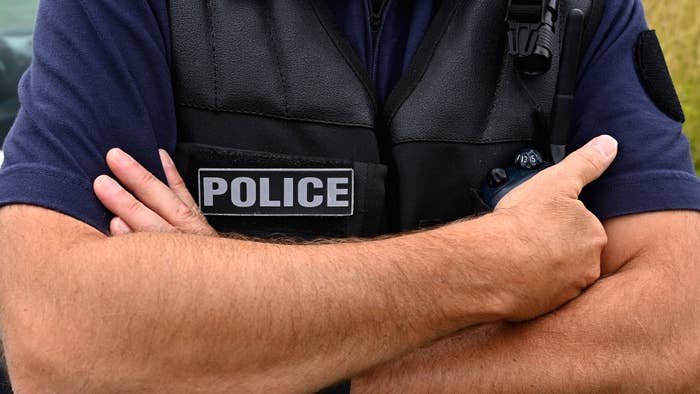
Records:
x=635, y=330
x=188, y=313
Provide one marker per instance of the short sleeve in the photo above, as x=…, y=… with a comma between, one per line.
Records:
x=99, y=79
x=654, y=169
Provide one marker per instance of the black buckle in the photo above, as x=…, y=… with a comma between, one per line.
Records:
x=531, y=34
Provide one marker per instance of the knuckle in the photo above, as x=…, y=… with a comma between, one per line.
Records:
x=602, y=239
x=593, y=274
x=590, y=159
x=570, y=208
x=580, y=205
x=199, y=214
x=598, y=234
x=177, y=183
x=134, y=206
x=185, y=213
x=145, y=178
x=560, y=205
x=568, y=182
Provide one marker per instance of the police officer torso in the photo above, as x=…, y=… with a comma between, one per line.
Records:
x=280, y=132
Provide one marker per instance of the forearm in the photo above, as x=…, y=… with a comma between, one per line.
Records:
x=633, y=331
x=170, y=309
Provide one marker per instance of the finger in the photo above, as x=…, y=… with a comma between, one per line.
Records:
x=151, y=192
x=119, y=227
x=121, y=203
x=588, y=163
x=177, y=185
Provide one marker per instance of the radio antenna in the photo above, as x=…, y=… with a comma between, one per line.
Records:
x=563, y=107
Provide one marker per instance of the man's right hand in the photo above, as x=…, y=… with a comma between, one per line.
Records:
x=553, y=243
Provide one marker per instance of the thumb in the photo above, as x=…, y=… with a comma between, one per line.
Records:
x=588, y=163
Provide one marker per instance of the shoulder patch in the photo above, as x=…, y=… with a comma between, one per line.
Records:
x=653, y=72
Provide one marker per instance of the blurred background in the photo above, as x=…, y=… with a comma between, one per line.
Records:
x=16, y=24
x=678, y=26
x=677, y=22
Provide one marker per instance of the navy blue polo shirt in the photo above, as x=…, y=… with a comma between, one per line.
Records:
x=101, y=78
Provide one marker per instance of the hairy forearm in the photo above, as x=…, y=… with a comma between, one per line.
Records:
x=162, y=310
x=633, y=331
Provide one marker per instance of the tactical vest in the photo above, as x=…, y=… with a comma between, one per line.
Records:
x=274, y=104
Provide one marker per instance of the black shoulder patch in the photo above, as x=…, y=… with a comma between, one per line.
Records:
x=653, y=72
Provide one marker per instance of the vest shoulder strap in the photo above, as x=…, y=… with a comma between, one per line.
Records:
x=595, y=15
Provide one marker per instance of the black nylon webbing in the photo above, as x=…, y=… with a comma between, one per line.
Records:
x=525, y=11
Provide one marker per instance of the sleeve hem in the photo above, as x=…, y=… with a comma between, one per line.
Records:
x=56, y=190
x=649, y=191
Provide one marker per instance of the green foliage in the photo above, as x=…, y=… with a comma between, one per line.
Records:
x=678, y=25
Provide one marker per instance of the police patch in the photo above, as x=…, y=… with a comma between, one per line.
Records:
x=276, y=191
x=653, y=72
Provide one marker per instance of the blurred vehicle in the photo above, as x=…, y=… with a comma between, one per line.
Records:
x=15, y=57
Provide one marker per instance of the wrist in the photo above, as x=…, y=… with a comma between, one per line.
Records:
x=476, y=259
x=515, y=255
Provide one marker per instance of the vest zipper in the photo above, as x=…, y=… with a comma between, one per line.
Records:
x=377, y=12
x=377, y=9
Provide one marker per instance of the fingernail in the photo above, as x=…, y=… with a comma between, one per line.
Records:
x=108, y=184
x=606, y=145
x=121, y=157
x=165, y=158
x=121, y=226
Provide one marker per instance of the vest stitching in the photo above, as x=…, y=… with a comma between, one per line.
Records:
x=212, y=41
x=365, y=204
x=271, y=115
x=275, y=48
x=425, y=67
x=368, y=89
x=470, y=141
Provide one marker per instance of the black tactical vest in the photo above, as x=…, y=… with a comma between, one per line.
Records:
x=272, y=100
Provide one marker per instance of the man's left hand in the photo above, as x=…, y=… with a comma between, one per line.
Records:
x=153, y=206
